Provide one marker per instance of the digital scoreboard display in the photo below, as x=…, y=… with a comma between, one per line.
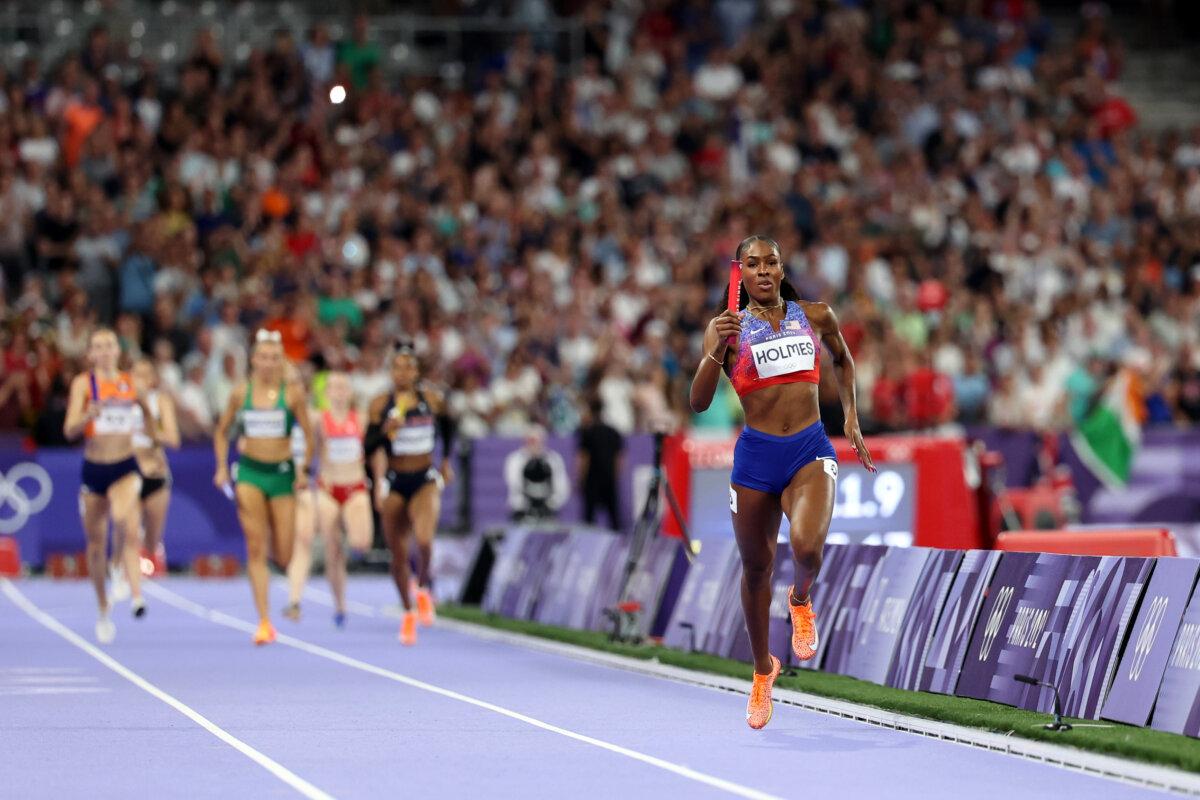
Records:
x=870, y=508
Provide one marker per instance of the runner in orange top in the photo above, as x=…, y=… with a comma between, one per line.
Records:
x=101, y=409
x=341, y=500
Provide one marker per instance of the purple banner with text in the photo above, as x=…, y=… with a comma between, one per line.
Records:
x=1140, y=672
x=884, y=608
x=1178, y=706
x=1082, y=662
x=952, y=634
x=917, y=630
x=841, y=634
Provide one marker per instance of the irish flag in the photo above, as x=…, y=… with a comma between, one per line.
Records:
x=1108, y=438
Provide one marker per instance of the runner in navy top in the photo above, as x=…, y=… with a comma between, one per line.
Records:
x=783, y=462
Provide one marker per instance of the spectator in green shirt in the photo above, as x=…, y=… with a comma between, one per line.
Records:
x=357, y=54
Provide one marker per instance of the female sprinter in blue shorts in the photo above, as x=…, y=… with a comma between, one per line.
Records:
x=783, y=462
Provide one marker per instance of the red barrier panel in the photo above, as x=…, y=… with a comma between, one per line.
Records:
x=1116, y=542
x=10, y=557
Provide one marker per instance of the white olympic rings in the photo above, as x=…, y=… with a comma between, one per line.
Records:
x=12, y=493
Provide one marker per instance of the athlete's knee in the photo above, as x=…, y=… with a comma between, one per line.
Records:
x=256, y=549
x=757, y=576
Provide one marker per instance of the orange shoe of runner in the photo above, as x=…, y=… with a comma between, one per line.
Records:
x=760, y=708
x=408, y=628
x=265, y=633
x=804, y=628
x=426, y=613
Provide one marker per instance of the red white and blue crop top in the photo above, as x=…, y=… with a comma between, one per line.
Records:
x=767, y=357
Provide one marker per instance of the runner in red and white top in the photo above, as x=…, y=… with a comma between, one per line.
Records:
x=341, y=500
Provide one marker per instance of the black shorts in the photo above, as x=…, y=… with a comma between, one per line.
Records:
x=99, y=478
x=152, y=485
x=407, y=484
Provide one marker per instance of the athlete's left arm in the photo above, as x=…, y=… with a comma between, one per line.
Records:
x=446, y=428
x=168, y=423
x=825, y=323
x=298, y=403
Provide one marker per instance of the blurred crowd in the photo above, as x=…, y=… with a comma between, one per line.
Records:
x=958, y=180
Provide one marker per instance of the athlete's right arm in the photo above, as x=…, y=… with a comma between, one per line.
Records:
x=79, y=411
x=221, y=436
x=708, y=371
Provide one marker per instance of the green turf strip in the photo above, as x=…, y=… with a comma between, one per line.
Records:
x=1140, y=744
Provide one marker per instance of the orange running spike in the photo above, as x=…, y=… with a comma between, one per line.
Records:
x=426, y=613
x=760, y=708
x=265, y=633
x=804, y=628
x=408, y=628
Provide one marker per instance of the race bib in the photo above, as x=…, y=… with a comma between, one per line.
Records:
x=264, y=423
x=781, y=355
x=343, y=449
x=115, y=418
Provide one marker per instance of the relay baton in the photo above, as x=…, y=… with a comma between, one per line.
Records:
x=735, y=290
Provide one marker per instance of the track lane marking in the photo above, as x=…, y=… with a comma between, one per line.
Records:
x=221, y=618
x=270, y=765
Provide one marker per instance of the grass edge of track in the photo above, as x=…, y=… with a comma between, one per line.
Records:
x=1140, y=744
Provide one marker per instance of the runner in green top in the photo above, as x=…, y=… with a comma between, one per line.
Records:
x=265, y=408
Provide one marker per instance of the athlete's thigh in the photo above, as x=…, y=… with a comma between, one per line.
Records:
x=253, y=512
x=124, y=498
x=394, y=515
x=93, y=510
x=756, y=518
x=424, y=509
x=154, y=509
x=327, y=514
x=356, y=516
x=808, y=500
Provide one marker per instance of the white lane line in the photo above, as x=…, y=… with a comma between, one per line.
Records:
x=270, y=765
x=221, y=618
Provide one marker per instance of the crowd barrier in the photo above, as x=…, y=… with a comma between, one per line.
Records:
x=1118, y=636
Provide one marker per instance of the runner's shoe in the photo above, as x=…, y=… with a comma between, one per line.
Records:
x=804, y=628
x=118, y=587
x=760, y=708
x=105, y=630
x=138, y=606
x=292, y=611
x=265, y=633
x=408, y=628
x=426, y=613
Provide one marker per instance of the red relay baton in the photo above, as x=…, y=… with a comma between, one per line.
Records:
x=735, y=291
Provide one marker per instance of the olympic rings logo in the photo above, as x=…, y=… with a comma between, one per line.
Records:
x=13, y=494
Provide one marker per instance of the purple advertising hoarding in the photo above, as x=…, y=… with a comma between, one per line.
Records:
x=453, y=558
x=1022, y=602
x=1178, y=707
x=779, y=636
x=710, y=581
x=520, y=569
x=648, y=583
x=569, y=596
x=837, y=567
x=1049, y=648
x=952, y=634
x=1099, y=621
x=884, y=608
x=200, y=521
x=865, y=561
x=1131, y=698
x=917, y=631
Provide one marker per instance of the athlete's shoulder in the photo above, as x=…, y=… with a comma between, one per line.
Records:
x=820, y=315
x=81, y=382
x=433, y=395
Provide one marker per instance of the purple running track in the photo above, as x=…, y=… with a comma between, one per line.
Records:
x=70, y=726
